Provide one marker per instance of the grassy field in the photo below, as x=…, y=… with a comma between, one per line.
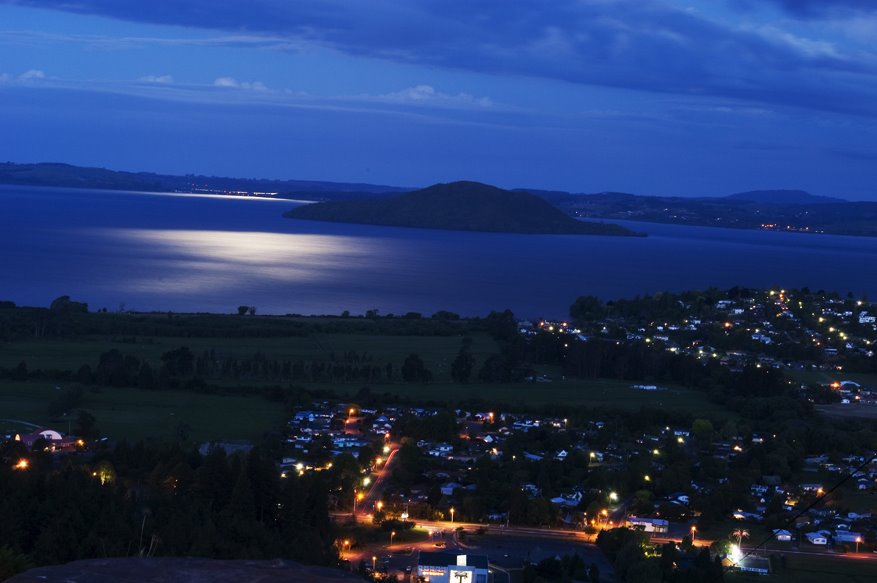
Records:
x=135, y=414
x=817, y=569
x=436, y=351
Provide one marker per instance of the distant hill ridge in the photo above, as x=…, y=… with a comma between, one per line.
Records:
x=783, y=197
x=67, y=175
x=460, y=206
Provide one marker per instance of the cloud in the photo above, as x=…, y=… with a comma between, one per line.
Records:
x=645, y=45
x=27, y=77
x=232, y=83
x=157, y=79
x=817, y=8
x=32, y=75
x=428, y=95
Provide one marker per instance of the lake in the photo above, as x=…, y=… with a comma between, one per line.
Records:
x=148, y=251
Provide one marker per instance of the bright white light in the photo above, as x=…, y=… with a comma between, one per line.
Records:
x=736, y=554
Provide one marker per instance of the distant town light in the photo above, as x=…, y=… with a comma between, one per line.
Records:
x=22, y=464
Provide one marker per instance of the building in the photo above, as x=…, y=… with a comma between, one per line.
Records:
x=452, y=568
x=54, y=441
x=657, y=525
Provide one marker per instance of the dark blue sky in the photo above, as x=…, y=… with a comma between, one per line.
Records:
x=697, y=97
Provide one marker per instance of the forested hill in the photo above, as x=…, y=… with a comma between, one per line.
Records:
x=459, y=206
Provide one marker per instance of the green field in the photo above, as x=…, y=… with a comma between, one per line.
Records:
x=136, y=414
x=817, y=569
x=437, y=352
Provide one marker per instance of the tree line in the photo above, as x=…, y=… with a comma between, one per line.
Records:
x=159, y=501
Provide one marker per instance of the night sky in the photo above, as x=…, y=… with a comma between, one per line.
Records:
x=670, y=97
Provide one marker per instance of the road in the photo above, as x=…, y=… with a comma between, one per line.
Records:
x=378, y=484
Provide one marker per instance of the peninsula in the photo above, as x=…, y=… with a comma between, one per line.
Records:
x=459, y=206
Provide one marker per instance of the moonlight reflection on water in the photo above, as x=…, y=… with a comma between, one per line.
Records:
x=189, y=261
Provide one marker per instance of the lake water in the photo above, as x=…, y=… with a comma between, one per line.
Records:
x=145, y=251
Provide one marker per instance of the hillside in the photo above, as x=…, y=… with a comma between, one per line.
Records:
x=67, y=175
x=801, y=197
x=458, y=206
x=794, y=211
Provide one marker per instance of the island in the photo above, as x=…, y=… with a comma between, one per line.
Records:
x=459, y=206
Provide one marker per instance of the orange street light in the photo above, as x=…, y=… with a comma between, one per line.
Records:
x=22, y=464
x=392, y=534
x=693, y=532
x=452, y=515
x=379, y=505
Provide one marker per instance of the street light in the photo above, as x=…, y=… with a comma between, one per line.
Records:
x=693, y=531
x=374, y=562
x=392, y=534
x=613, y=497
x=379, y=505
x=858, y=540
x=357, y=498
x=452, y=515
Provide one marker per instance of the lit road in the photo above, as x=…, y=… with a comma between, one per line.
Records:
x=375, y=492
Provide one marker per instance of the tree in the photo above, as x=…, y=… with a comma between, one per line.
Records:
x=414, y=370
x=461, y=368
x=587, y=309
x=242, y=310
x=65, y=305
x=740, y=534
x=703, y=431
x=86, y=425
x=179, y=361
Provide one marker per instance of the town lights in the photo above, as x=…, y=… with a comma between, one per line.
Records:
x=613, y=497
x=366, y=481
x=386, y=449
x=22, y=464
